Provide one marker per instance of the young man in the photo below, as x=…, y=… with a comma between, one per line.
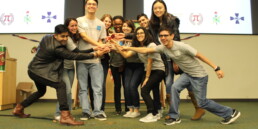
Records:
x=46, y=69
x=90, y=25
x=194, y=77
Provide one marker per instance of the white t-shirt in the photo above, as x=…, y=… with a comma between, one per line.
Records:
x=95, y=29
x=184, y=56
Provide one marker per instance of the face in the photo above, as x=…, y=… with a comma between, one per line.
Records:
x=165, y=37
x=126, y=28
x=144, y=22
x=73, y=27
x=140, y=35
x=159, y=9
x=62, y=38
x=107, y=22
x=118, y=25
x=91, y=6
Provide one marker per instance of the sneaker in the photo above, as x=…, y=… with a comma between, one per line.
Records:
x=172, y=121
x=85, y=116
x=134, y=114
x=127, y=114
x=232, y=118
x=57, y=118
x=149, y=118
x=100, y=117
x=118, y=112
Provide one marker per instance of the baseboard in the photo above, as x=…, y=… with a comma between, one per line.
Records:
x=182, y=100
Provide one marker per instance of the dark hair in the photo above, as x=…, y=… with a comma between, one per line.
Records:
x=94, y=0
x=141, y=15
x=75, y=37
x=154, y=20
x=130, y=23
x=60, y=29
x=164, y=28
x=119, y=17
x=147, y=40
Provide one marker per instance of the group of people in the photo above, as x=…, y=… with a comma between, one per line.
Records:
x=142, y=56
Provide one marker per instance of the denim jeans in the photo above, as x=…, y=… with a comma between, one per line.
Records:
x=118, y=77
x=155, y=78
x=169, y=78
x=105, y=65
x=67, y=77
x=95, y=71
x=199, y=88
x=133, y=77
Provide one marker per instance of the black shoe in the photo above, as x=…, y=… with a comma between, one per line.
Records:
x=85, y=116
x=172, y=121
x=232, y=118
x=100, y=117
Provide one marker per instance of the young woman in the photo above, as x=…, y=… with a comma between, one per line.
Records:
x=154, y=71
x=68, y=72
x=134, y=70
x=160, y=17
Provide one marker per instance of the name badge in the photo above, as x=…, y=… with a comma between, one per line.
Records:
x=98, y=27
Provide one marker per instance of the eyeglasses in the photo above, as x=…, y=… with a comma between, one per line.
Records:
x=93, y=4
x=165, y=35
x=140, y=33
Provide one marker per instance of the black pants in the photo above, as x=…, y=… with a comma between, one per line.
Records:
x=155, y=78
x=41, y=85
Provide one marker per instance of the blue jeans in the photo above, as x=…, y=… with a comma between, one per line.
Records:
x=199, y=88
x=133, y=78
x=67, y=77
x=169, y=78
x=95, y=71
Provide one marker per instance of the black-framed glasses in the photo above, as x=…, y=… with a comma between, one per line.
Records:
x=165, y=35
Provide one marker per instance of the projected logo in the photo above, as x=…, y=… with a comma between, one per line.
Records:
x=6, y=19
x=237, y=18
x=27, y=18
x=216, y=18
x=48, y=17
x=196, y=19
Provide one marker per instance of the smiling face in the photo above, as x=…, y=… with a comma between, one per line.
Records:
x=140, y=35
x=91, y=6
x=73, y=27
x=62, y=37
x=118, y=25
x=166, y=38
x=107, y=21
x=126, y=28
x=159, y=9
x=144, y=22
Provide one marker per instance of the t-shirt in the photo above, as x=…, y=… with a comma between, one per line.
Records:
x=157, y=63
x=69, y=64
x=95, y=29
x=184, y=56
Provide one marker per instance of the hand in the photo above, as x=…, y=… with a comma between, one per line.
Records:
x=145, y=82
x=220, y=74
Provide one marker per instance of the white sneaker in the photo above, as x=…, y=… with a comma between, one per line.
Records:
x=134, y=114
x=127, y=114
x=57, y=118
x=149, y=118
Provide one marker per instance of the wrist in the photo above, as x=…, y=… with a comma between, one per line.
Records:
x=96, y=54
x=217, y=69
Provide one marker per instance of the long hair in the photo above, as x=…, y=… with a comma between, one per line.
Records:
x=154, y=20
x=109, y=16
x=75, y=37
x=147, y=40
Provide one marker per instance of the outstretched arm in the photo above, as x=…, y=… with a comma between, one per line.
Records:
x=140, y=49
x=86, y=38
x=219, y=72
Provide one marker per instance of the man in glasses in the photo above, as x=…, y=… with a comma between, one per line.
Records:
x=194, y=77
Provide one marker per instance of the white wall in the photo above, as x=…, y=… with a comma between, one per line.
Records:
x=236, y=54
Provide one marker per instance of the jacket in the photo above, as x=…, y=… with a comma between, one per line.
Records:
x=48, y=61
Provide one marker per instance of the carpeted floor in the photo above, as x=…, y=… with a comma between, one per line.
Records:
x=42, y=114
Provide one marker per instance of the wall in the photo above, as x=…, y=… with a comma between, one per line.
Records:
x=236, y=54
